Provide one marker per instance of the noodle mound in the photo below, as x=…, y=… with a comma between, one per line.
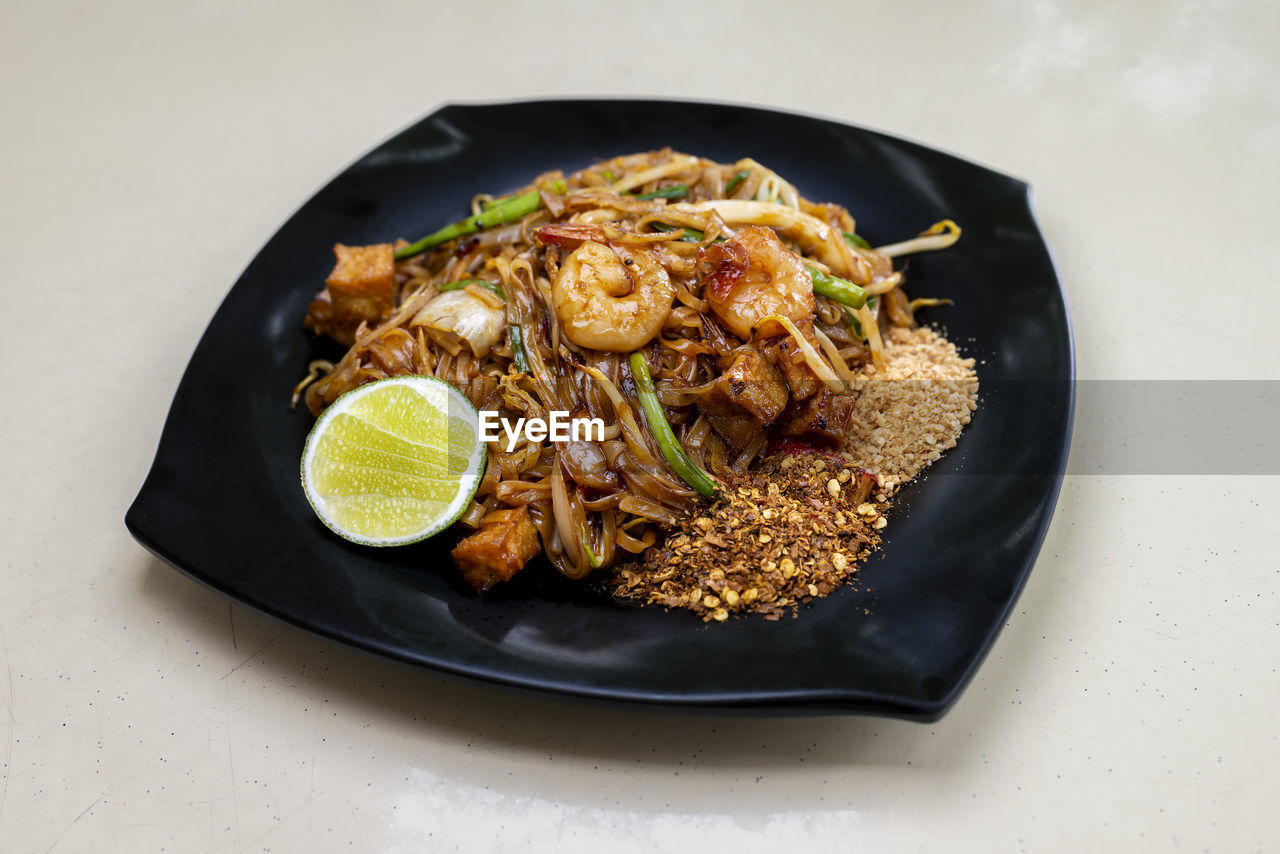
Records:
x=650, y=287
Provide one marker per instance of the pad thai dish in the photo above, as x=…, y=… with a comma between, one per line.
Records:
x=702, y=312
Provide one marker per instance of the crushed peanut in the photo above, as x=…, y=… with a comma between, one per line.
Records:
x=907, y=415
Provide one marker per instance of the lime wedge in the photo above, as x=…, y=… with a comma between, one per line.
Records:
x=394, y=461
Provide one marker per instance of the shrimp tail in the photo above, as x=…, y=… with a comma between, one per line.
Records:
x=570, y=235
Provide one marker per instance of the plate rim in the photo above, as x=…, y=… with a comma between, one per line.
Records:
x=792, y=701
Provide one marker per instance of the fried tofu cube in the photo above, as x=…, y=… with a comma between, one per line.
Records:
x=367, y=271
x=506, y=541
x=359, y=290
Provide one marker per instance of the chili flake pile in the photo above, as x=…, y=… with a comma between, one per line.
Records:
x=793, y=529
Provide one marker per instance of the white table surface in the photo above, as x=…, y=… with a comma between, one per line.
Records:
x=150, y=148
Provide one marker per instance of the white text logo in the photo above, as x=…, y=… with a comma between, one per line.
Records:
x=560, y=428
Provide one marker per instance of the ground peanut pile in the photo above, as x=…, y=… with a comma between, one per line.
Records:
x=907, y=415
x=798, y=526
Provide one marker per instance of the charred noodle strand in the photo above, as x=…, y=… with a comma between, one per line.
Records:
x=671, y=449
x=475, y=513
x=620, y=406
x=507, y=210
x=517, y=492
x=635, y=546
x=608, y=536
x=602, y=503
x=569, y=538
x=677, y=164
x=647, y=510
x=755, y=446
x=425, y=358
x=647, y=475
x=543, y=381
x=940, y=235
x=689, y=300
x=518, y=399
x=829, y=312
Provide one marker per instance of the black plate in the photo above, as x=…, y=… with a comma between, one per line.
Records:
x=223, y=503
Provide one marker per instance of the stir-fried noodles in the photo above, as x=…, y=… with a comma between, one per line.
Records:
x=698, y=309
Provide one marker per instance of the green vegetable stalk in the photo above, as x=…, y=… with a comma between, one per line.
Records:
x=517, y=347
x=856, y=241
x=679, y=191
x=691, y=235
x=497, y=213
x=835, y=288
x=668, y=444
x=592, y=559
x=734, y=182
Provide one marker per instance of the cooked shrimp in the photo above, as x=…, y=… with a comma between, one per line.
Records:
x=607, y=297
x=753, y=276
